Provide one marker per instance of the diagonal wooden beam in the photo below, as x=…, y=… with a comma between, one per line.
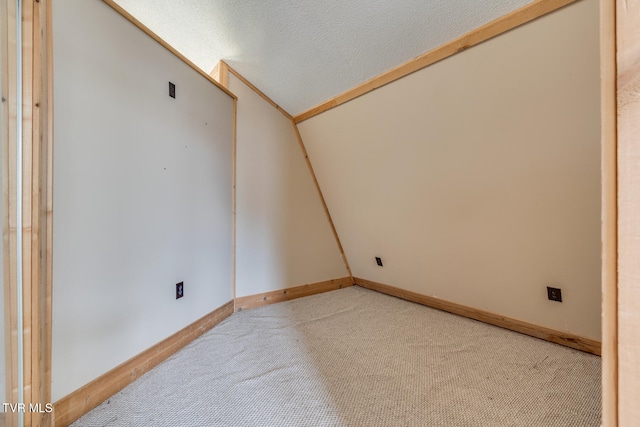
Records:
x=492, y=29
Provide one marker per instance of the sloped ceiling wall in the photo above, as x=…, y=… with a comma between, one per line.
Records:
x=477, y=179
x=303, y=52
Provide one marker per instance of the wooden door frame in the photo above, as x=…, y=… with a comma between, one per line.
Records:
x=609, y=214
x=36, y=202
x=37, y=207
x=9, y=195
x=38, y=180
x=627, y=59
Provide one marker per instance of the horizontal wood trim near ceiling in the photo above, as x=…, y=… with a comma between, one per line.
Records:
x=73, y=406
x=492, y=29
x=255, y=89
x=547, y=334
x=166, y=45
x=259, y=300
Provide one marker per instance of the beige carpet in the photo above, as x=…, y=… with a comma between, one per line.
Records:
x=355, y=357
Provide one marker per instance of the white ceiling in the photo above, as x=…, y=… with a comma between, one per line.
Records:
x=304, y=52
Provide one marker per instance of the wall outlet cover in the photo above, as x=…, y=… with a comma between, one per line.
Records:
x=379, y=261
x=554, y=294
x=179, y=290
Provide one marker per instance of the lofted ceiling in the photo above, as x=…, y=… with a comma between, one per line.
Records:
x=301, y=53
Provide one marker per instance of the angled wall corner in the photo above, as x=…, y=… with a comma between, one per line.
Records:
x=283, y=237
x=477, y=179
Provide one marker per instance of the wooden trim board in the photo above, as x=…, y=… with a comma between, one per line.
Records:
x=215, y=73
x=324, y=203
x=558, y=337
x=220, y=73
x=29, y=231
x=609, y=214
x=8, y=27
x=36, y=212
x=494, y=28
x=48, y=303
x=73, y=406
x=259, y=300
x=627, y=19
x=254, y=88
x=234, y=200
x=166, y=45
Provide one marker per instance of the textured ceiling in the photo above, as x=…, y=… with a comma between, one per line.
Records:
x=304, y=52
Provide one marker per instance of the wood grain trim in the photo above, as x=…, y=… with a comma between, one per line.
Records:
x=49, y=207
x=234, y=199
x=73, y=406
x=609, y=214
x=627, y=15
x=558, y=337
x=256, y=90
x=220, y=73
x=259, y=300
x=29, y=230
x=324, y=203
x=37, y=107
x=492, y=29
x=166, y=45
x=8, y=26
x=215, y=73
x=223, y=74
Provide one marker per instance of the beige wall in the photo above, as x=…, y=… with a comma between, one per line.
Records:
x=142, y=193
x=283, y=237
x=477, y=179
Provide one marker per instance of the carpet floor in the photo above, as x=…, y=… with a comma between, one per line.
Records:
x=355, y=357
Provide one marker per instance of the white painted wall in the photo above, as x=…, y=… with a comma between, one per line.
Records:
x=477, y=180
x=283, y=237
x=142, y=193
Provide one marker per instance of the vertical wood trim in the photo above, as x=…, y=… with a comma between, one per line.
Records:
x=36, y=215
x=234, y=198
x=48, y=102
x=223, y=74
x=27, y=201
x=609, y=215
x=37, y=366
x=7, y=284
x=492, y=29
x=215, y=73
x=628, y=105
x=324, y=203
x=9, y=194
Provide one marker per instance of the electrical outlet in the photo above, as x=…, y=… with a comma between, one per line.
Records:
x=179, y=290
x=172, y=90
x=554, y=294
x=379, y=261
